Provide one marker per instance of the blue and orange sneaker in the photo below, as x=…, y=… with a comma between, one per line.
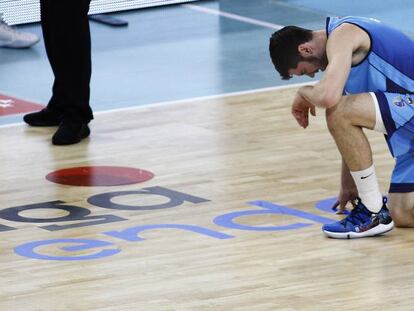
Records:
x=361, y=223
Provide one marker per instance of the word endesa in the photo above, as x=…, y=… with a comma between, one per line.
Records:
x=81, y=217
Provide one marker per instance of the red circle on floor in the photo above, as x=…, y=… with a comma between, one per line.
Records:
x=99, y=176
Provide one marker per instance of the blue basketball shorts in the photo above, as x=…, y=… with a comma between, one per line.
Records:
x=397, y=112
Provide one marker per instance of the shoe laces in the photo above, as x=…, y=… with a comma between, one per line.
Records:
x=356, y=215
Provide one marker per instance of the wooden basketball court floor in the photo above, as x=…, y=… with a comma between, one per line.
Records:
x=228, y=222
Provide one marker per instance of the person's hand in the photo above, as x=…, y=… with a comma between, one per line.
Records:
x=301, y=109
x=345, y=196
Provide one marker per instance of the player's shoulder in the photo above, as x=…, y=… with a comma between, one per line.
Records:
x=350, y=22
x=347, y=31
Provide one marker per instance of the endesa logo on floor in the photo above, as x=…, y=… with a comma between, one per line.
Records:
x=100, y=247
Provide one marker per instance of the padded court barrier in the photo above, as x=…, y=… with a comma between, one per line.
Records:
x=28, y=11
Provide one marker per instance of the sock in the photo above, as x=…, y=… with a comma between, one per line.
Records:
x=368, y=188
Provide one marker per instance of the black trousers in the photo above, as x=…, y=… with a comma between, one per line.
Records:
x=66, y=35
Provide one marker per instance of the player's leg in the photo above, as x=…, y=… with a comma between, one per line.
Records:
x=401, y=193
x=345, y=122
x=397, y=111
x=402, y=209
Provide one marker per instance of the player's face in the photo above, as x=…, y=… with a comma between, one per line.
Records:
x=309, y=66
x=306, y=68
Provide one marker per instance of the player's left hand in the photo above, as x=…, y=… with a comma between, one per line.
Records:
x=345, y=196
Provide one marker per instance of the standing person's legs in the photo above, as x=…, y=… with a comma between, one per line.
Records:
x=52, y=115
x=48, y=21
x=71, y=46
x=67, y=38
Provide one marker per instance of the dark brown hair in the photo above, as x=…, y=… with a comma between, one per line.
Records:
x=283, y=48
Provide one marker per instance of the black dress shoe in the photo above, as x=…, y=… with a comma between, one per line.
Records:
x=70, y=133
x=44, y=117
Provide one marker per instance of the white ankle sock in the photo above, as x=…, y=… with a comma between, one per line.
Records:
x=368, y=188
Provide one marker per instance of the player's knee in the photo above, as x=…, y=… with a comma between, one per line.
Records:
x=403, y=216
x=337, y=117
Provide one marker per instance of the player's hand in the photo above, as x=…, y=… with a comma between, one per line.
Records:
x=301, y=109
x=345, y=196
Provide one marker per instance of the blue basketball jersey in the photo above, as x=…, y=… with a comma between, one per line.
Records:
x=388, y=70
x=389, y=65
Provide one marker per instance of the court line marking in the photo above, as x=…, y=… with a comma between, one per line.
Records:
x=208, y=97
x=236, y=17
x=11, y=125
x=187, y=100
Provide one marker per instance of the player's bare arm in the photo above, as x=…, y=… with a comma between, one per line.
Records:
x=347, y=45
